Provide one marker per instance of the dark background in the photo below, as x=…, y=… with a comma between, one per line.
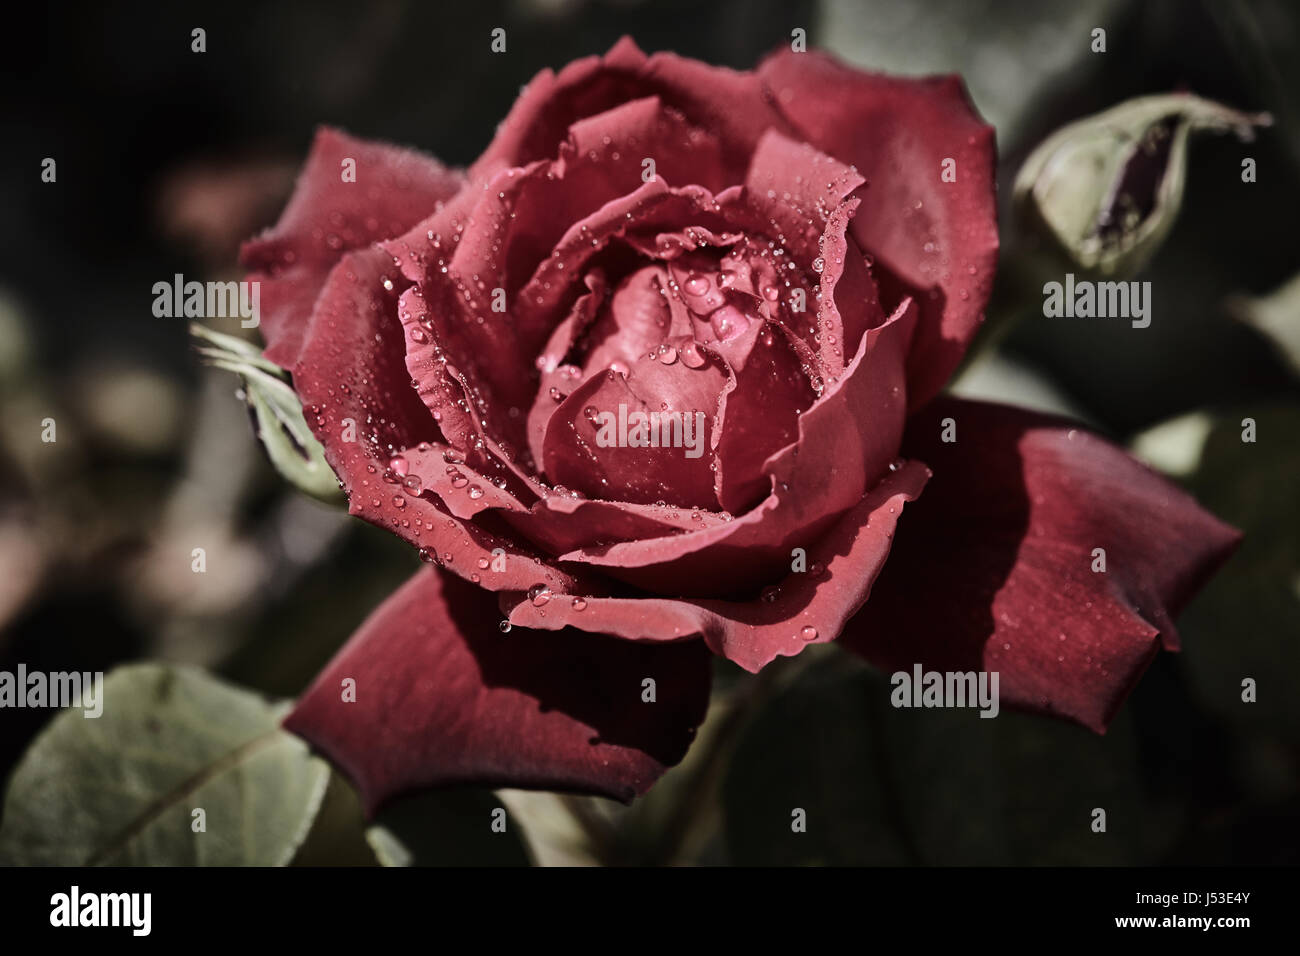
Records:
x=168, y=158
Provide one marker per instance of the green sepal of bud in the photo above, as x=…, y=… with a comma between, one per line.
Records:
x=276, y=413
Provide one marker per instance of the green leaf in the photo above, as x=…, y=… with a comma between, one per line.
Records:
x=815, y=748
x=121, y=789
x=277, y=413
x=445, y=828
x=1106, y=189
x=1007, y=57
x=884, y=785
x=1245, y=623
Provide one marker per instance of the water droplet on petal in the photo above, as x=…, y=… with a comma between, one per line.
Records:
x=696, y=284
x=728, y=322
x=691, y=357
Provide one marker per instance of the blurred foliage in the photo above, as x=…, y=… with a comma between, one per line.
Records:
x=884, y=786
x=445, y=828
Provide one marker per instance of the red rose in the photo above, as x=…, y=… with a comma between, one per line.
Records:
x=490, y=359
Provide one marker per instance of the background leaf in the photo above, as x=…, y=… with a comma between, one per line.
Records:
x=445, y=828
x=120, y=789
x=1247, y=623
x=886, y=786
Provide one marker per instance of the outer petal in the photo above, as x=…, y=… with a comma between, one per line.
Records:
x=993, y=568
x=444, y=698
x=806, y=607
x=937, y=240
x=364, y=416
x=394, y=189
x=722, y=100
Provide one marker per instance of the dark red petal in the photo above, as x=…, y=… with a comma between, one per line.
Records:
x=654, y=209
x=561, y=523
x=726, y=102
x=353, y=383
x=938, y=240
x=798, y=187
x=576, y=458
x=993, y=567
x=394, y=189
x=806, y=607
x=444, y=698
x=846, y=441
x=758, y=414
x=804, y=196
x=549, y=219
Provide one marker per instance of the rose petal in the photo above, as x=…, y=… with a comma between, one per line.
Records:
x=560, y=523
x=799, y=187
x=758, y=414
x=365, y=416
x=993, y=568
x=326, y=217
x=443, y=698
x=727, y=102
x=934, y=240
x=806, y=607
x=575, y=457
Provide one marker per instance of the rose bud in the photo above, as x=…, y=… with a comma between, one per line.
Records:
x=1105, y=190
